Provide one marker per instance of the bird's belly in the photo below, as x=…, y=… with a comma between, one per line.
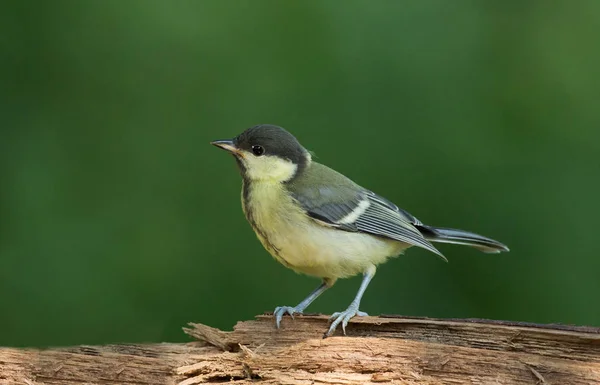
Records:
x=313, y=249
x=306, y=246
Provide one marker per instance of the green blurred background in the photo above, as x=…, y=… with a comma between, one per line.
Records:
x=120, y=223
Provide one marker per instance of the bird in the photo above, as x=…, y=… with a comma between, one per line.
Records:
x=318, y=222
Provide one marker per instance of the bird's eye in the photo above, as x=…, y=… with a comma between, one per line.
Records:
x=258, y=150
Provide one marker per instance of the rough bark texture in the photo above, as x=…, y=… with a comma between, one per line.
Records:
x=377, y=350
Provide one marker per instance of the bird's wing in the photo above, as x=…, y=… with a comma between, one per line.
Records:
x=358, y=210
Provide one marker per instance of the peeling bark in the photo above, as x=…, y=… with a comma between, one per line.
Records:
x=377, y=350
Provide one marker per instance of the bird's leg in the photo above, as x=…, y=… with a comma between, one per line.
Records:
x=352, y=310
x=280, y=311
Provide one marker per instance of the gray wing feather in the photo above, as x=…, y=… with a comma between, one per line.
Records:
x=408, y=216
x=362, y=211
x=331, y=207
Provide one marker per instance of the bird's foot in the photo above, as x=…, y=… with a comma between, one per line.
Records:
x=343, y=317
x=280, y=311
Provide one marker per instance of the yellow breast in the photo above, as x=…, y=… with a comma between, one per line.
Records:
x=300, y=243
x=270, y=213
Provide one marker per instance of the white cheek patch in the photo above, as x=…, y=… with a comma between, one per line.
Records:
x=268, y=168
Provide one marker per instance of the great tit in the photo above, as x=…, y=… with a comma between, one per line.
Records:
x=316, y=221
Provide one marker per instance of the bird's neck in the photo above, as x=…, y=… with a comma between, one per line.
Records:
x=301, y=168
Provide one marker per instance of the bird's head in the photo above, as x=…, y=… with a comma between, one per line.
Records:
x=267, y=153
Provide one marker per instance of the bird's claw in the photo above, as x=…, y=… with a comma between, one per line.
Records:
x=343, y=317
x=280, y=311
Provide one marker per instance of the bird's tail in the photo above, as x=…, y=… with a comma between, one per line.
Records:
x=461, y=237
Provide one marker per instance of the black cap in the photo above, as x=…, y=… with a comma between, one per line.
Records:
x=275, y=141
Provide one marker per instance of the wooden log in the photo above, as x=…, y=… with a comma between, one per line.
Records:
x=377, y=350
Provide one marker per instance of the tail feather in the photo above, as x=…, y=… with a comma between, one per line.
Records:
x=461, y=237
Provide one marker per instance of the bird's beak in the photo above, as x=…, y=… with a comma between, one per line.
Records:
x=226, y=145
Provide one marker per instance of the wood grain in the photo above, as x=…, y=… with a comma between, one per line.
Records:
x=377, y=350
